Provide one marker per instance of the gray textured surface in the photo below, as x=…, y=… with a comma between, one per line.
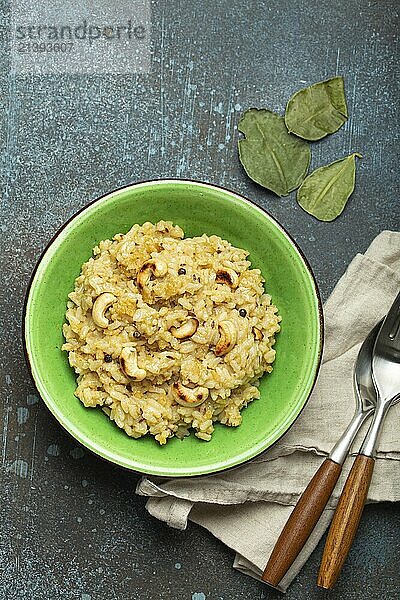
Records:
x=71, y=526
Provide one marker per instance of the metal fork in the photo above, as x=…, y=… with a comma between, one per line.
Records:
x=386, y=378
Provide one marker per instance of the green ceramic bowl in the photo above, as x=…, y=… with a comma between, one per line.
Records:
x=198, y=208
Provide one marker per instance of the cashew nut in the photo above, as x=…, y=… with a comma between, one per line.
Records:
x=186, y=330
x=129, y=366
x=100, y=306
x=257, y=333
x=227, y=339
x=189, y=397
x=228, y=276
x=155, y=266
x=162, y=227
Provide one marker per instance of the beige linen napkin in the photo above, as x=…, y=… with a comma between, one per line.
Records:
x=247, y=507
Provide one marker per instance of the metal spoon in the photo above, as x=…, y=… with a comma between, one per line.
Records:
x=386, y=378
x=312, y=502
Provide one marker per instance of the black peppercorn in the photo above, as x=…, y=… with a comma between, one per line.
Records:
x=136, y=334
x=107, y=358
x=242, y=312
x=182, y=271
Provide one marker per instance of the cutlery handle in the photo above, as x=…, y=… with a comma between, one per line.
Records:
x=345, y=520
x=302, y=521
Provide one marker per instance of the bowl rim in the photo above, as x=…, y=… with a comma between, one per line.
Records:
x=85, y=441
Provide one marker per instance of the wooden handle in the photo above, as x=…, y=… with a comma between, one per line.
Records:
x=345, y=521
x=302, y=521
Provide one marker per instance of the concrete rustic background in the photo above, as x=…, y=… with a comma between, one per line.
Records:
x=71, y=526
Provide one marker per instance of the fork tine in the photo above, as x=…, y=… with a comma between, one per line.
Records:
x=389, y=335
x=394, y=332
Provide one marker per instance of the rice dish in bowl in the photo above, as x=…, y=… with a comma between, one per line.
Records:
x=169, y=334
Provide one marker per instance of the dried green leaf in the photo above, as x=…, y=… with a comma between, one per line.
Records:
x=318, y=110
x=269, y=154
x=325, y=192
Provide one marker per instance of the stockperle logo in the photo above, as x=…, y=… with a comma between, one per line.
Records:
x=88, y=37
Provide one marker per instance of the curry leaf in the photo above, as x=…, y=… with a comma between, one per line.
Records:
x=269, y=154
x=325, y=192
x=318, y=110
